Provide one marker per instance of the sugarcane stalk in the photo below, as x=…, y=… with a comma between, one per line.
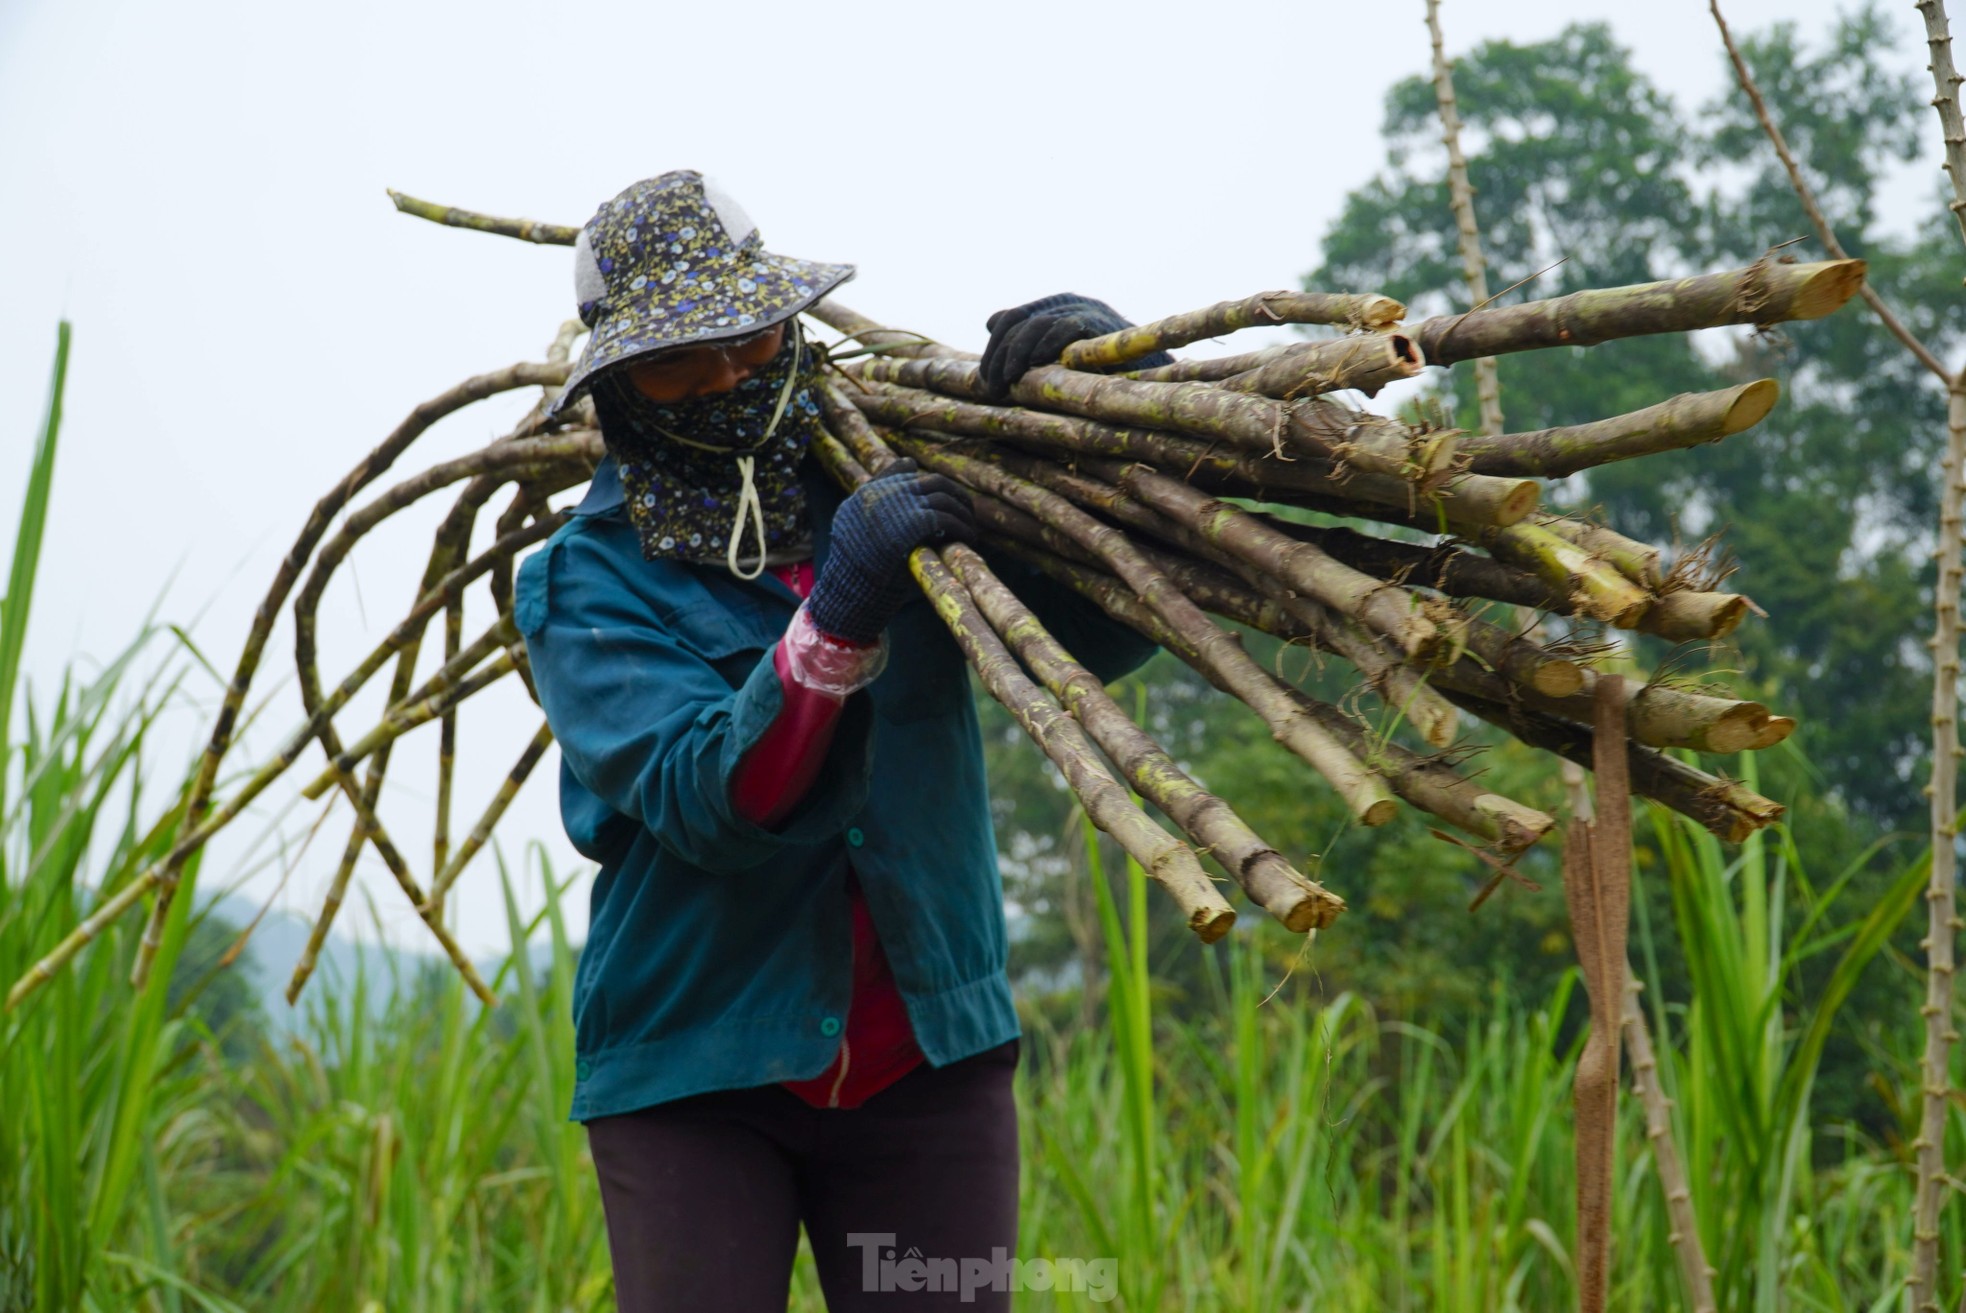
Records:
x=1459, y=501
x=370, y=468
x=1766, y=292
x=1685, y=616
x=887, y=341
x=525, y=230
x=317, y=935
x=1728, y=810
x=1460, y=194
x=440, y=840
x=1637, y=561
x=1380, y=606
x=378, y=838
x=1314, y=427
x=401, y=719
x=1350, y=311
x=1361, y=364
x=1364, y=795
x=1597, y=588
x=1446, y=569
x=1269, y=880
x=1232, y=588
x=1687, y=420
x=1169, y=862
x=1426, y=783
x=480, y=835
x=1521, y=662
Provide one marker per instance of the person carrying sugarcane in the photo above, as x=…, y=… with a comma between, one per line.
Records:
x=792, y=1006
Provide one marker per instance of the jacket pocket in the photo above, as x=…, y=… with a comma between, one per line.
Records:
x=729, y=638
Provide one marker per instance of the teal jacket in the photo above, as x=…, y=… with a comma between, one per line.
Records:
x=719, y=953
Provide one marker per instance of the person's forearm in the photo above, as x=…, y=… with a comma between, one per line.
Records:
x=816, y=674
x=776, y=774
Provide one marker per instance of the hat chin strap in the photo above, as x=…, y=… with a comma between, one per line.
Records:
x=749, y=505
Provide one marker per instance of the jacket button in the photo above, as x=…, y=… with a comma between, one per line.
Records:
x=582, y=1069
x=856, y=836
x=829, y=1027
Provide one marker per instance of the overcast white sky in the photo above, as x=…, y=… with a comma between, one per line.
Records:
x=199, y=186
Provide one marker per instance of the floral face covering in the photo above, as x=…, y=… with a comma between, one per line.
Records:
x=716, y=478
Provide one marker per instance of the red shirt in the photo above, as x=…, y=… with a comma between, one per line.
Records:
x=878, y=1045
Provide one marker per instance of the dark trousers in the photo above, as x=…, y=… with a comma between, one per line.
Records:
x=705, y=1195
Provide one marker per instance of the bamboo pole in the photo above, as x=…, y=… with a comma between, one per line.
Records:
x=1941, y=891
x=1460, y=192
x=1687, y=420
x=1766, y=292
x=1683, y=1233
x=1350, y=311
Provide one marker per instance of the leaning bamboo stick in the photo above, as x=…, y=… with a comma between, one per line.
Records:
x=1687, y=420
x=1460, y=194
x=1364, y=312
x=1684, y=1232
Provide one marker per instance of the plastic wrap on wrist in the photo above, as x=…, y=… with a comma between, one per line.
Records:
x=826, y=664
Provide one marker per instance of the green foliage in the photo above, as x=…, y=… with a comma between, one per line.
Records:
x=1577, y=157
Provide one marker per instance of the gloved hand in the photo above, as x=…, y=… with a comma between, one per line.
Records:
x=1037, y=333
x=866, y=579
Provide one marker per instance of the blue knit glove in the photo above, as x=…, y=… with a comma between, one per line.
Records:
x=866, y=579
x=1037, y=333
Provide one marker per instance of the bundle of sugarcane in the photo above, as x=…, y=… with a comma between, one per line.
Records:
x=1168, y=497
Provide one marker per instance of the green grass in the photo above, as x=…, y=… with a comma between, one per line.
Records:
x=1266, y=1147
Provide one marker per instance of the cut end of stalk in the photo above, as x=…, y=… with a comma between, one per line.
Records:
x=1519, y=503
x=1211, y=925
x=1740, y=728
x=1516, y=827
x=1826, y=287
x=1380, y=312
x=1690, y=616
x=1750, y=405
x=1378, y=812
x=1558, y=678
x=1772, y=732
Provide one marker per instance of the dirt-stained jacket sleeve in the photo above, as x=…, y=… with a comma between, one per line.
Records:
x=651, y=725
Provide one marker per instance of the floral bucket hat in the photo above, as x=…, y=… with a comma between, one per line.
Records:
x=674, y=261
